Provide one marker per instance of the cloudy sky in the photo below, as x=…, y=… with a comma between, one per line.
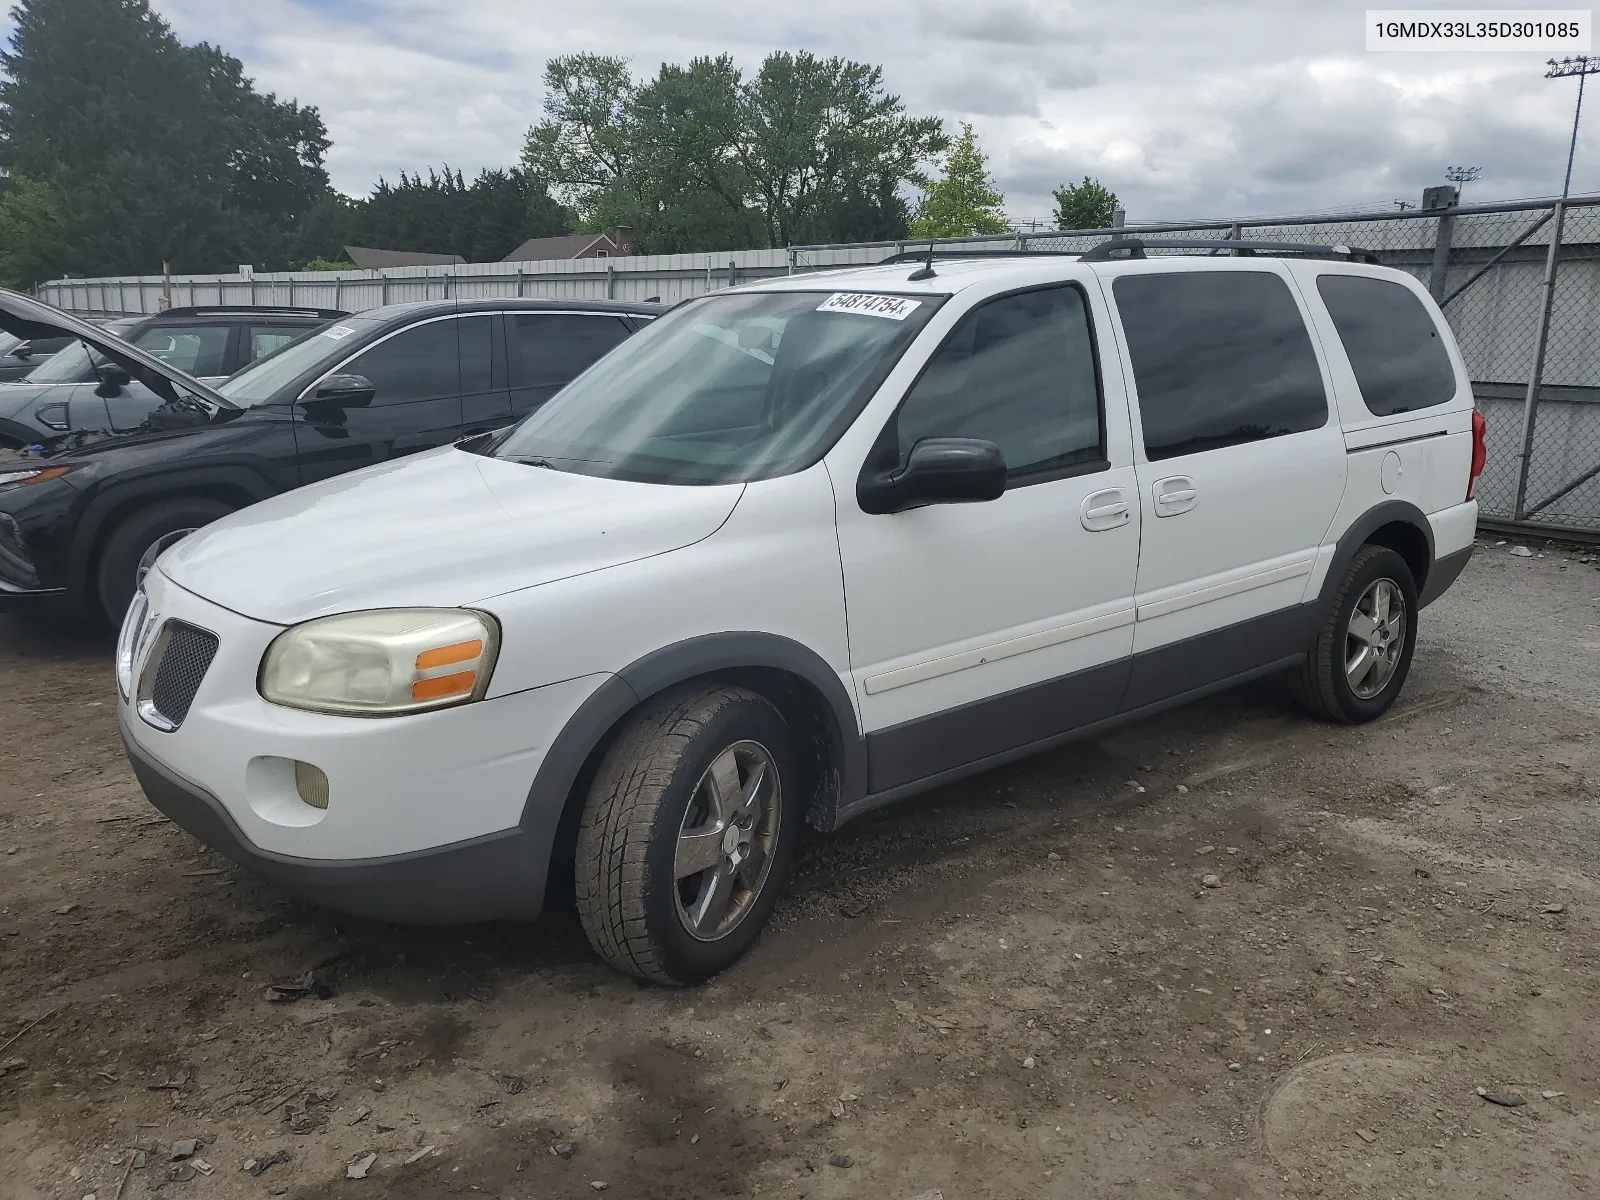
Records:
x=1185, y=108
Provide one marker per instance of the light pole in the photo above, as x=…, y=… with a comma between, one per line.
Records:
x=1461, y=176
x=1582, y=66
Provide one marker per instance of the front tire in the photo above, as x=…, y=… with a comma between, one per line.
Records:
x=138, y=541
x=1362, y=655
x=688, y=833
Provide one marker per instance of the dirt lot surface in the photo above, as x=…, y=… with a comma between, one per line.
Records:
x=1224, y=953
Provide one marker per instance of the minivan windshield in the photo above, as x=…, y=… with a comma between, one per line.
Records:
x=726, y=389
x=264, y=379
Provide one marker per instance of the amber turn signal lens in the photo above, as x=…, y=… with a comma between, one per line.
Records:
x=443, y=685
x=444, y=655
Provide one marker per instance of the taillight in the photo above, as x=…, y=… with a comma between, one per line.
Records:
x=1480, y=451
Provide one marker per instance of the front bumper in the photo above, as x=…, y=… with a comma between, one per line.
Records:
x=430, y=817
x=498, y=876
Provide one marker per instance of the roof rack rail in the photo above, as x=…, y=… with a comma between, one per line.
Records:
x=1118, y=249
x=1132, y=247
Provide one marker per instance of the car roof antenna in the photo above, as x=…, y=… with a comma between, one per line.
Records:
x=925, y=271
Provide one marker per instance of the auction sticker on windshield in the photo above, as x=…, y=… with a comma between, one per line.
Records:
x=896, y=308
x=338, y=332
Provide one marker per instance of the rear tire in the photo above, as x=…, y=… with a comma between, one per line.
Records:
x=139, y=539
x=1362, y=655
x=688, y=833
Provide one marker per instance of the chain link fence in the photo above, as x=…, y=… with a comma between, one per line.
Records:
x=1519, y=283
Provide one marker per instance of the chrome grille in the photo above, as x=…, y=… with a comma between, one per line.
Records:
x=178, y=662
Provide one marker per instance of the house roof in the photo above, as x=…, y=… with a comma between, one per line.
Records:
x=370, y=259
x=568, y=246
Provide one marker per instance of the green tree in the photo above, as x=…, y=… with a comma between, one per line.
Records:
x=964, y=201
x=700, y=157
x=1085, y=205
x=157, y=150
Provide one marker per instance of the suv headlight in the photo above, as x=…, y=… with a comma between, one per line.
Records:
x=382, y=663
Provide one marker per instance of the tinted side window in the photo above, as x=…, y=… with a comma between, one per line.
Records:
x=418, y=364
x=477, y=362
x=263, y=340
x=1393, y=346
x=1219, y=358
x=1019, y=372
x=556, y=348
x=197, y=349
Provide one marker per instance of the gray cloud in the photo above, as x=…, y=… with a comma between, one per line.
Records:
x=1183, y=108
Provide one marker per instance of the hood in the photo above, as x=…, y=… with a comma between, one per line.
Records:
x=446, y=528
x=30, y=318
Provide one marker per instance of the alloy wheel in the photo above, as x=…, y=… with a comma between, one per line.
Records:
x=1375, y=638
x=725, y=844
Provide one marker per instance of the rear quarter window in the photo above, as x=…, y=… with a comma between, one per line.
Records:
x=1219, y=358
x=1394, y=347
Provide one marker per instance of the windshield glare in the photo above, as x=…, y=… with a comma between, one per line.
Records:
x=9, y=342
x=727, y=389
x=262, y=380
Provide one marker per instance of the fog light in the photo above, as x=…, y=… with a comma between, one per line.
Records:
x=312, y=785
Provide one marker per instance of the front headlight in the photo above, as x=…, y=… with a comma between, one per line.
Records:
x=382, y=663
x=34, y=475
x=127, y=642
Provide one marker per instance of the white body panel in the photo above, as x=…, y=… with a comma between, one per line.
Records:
x=952, y=603
x=395, y=786
x=1231, y=533
x=443, y=528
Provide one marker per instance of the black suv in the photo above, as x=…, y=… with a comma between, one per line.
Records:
x=84, y=525
x=77, y=389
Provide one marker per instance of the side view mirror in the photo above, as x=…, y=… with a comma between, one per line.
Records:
x=113, y=378
x=22, y=350
x=939, y=471
x=345, y=391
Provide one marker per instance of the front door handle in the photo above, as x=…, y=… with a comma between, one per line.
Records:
x=1173, y=495
x=1105, y=510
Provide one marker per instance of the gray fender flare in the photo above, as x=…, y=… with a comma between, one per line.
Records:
x=709, y=654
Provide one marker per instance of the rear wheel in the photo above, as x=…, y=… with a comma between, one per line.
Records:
x=1362, y=654
x=138, y=541
x=688, y=833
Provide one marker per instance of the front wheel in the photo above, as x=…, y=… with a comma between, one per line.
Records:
x=1362, y=654
x=688, y=833
x=136, y=543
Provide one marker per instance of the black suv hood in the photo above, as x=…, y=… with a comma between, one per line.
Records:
x=30, y=318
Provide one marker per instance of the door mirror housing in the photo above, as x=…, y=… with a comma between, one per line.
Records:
x=345, y=391
x=22, y=350
x=113, y=378
x=939, y=471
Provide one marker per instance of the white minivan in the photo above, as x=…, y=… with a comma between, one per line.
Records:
x=798, y=550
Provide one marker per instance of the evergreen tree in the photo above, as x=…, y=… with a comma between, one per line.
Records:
x=963, y=202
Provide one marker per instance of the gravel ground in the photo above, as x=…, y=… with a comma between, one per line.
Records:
x=1024, y=985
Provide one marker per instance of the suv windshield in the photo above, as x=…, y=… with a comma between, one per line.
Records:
x=262, y=380
x=727, y=389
